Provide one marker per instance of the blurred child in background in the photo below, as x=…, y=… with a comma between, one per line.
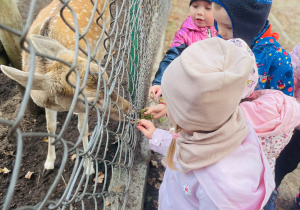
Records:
x=290, y=156
x=249, y=21
x=199, y=25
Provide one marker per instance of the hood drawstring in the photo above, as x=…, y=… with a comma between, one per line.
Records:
x=209, y=33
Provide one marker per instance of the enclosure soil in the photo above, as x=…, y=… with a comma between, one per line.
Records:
x=30, y=191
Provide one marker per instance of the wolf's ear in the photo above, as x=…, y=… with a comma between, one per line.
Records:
x=40, y=81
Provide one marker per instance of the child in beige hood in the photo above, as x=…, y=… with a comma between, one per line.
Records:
x=219, y=161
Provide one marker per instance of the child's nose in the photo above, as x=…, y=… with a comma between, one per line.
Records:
x=200, y=12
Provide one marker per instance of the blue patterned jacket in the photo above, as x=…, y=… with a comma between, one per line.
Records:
x=274, y=63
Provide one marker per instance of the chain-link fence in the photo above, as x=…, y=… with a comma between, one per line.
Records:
x=100, y=69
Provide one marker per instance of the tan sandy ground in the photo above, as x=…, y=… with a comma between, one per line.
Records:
x=285, y=18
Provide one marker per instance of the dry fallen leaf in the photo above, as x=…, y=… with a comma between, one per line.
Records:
x=45, y=139
x=154, y=163
x=119, y=188
x=157, y=185
x=28, y=175
x=100, y=177
x=4, y=170
x=114, y=142
x=155, y=204
x=10, y=153
x=73, y=157
x=151, y=181
x=161, y=176
x=107, y=203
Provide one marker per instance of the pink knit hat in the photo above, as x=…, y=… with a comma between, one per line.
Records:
x=204, y=85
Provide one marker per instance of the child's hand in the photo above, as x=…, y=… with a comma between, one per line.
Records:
x=157, y=111
x=155, y=91
x=147, y=128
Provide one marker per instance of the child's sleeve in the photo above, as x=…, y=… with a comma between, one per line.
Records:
x=275, y=69
x=171, y=55
x=180, y=38
x=178, y=45
x=263, y=66
x=160, y=141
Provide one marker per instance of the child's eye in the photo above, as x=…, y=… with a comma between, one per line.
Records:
x=208, y=8
x=195, y=6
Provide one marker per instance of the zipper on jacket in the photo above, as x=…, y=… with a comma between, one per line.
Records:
x=209, y=33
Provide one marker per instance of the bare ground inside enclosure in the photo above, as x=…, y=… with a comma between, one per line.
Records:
x=33, y=190
x=285, y=18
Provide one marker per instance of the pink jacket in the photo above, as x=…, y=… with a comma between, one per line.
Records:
x=295, y=57
x=272, y=113
x=241, y=180
x=274, y=117
x=190, y=33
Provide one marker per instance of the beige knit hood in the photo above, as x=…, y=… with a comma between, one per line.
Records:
x=202, y=89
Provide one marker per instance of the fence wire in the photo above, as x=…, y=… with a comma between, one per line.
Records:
x=118, y=41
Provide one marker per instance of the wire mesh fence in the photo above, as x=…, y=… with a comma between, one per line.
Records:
x=89, y=57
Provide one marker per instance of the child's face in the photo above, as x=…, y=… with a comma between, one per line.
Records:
x=201, y=13
x=224, y=22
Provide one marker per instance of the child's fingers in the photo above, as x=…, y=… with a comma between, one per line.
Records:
x=142, y=129
x=145, y=123
x=154, y=109
x=149, y=110
x=152, y=92
x=158, y=115
x=157, y=111
x=158, y=93
x=146, y=128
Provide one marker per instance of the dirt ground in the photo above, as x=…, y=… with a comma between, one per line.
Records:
x=31, y=191
x=285, y=19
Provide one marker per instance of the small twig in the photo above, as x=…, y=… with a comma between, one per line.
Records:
x=64, y=180
x=38, y=179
